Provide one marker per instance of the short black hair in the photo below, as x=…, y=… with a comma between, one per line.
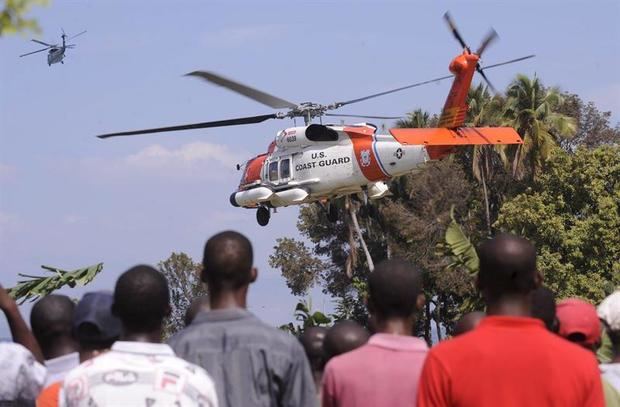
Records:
x=227, y=261
x=141, y=298
x=507, y=266
x=344, y=337
x=51, y=318
x=543, y=308
x=312, y=340
x=393, y=288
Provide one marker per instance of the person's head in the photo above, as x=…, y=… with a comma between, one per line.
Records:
x=467, y=322
x=394, y=291
x=198, y=304
x=312, y=340
x=344, y=337
x=227, y=262
x=579, y=323
x=51, y=319
x=141, y=300
x=609, y=312
x=544, y=308
x=507, y=269
x=94, y=326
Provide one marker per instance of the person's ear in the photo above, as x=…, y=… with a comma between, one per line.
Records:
x=420, y=301
x=538, y=279
x=253, y=274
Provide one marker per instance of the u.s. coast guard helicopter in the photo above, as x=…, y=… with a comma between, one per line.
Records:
x=56, y=52
x=319, y=162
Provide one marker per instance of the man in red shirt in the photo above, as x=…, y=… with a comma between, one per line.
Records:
x=510, y=359
x=384, y=371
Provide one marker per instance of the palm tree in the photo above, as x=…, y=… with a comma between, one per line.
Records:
x=484, y=110
x=532, y=110
x=416, y=119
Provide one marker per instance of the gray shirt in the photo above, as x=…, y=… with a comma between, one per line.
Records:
x=251, y=363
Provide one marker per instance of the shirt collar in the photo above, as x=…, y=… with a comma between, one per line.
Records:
x=398, y=342
x=227, y=314
x=63, y=363
x=146, y=348
x=504, y=321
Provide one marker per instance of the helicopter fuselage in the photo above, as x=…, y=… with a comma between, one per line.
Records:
x=307, y=164
x=55, y=55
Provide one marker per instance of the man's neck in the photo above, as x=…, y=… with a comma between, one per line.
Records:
x=395, y=326
x=153, y=336
x=226, y=299
x=61, y=348
x=510, y=306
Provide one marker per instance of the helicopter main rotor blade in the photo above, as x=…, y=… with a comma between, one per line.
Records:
x=348, y=102
x=387, y=92
x=42, y=43
x=364, y=116
x=508, y=62
x=255, y=94
x=203, y=125
x=34, y=52
x=83, y=32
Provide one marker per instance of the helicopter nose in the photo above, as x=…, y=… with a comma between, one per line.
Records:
x=233, y=201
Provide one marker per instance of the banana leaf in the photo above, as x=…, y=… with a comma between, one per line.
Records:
x=33, y=287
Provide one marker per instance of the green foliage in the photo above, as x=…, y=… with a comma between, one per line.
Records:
x=12, y=18
x=571, y=213
x=183, y=276
x=34, y=287
x=593, y=126
x=458, y=245
x=534, y=111
x=297, y=264
x=308, y=318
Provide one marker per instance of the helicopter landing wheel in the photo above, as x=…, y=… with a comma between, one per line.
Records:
x=332, y=213
x=262, y=215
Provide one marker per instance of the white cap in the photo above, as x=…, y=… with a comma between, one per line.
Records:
x=609, y=311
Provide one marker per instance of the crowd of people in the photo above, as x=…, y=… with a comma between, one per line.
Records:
x=107, y=350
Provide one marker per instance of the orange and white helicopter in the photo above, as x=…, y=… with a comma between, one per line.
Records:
x=319, y=163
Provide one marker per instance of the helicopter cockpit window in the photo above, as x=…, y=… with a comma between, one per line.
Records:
x=285, y=168
x=273, y=171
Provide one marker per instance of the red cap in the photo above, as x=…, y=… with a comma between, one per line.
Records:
x=579, y=317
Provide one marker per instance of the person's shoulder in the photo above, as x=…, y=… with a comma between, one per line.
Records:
x=456, y=344
x=347, y=360
x=12, y=349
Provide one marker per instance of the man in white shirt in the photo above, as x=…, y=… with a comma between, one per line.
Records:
x=139, y=370
x=21, y=371
x=51, y=320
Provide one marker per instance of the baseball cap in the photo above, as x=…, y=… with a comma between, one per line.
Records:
x=93, y=320
x=579, y=317
x=609, y=311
